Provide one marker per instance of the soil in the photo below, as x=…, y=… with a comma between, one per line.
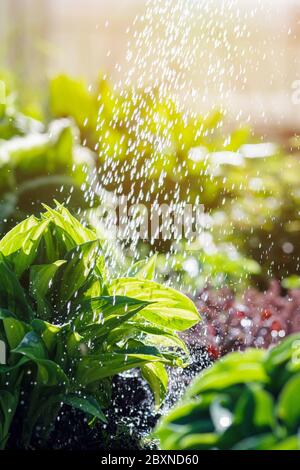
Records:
x=131, y=418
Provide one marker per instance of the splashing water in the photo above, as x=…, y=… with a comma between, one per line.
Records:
x=167, y=45
x=170, y=44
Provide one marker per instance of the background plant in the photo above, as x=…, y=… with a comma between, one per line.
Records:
x=39, y=162
x=244, y=401
x=256, y=319
x=250, y=190
x=69, y=328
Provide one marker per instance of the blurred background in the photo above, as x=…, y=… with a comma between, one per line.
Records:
x=254, y=46
x=160, y=100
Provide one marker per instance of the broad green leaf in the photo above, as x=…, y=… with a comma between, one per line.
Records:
x=8, y=405
x=157, y=336
x=33, y=348
x=95, y=367
x=170, y=308
x=171, y=357
x=50, y=374
x=69, y=97
x=48, y=333
x=80, y=263
x=254, y=411
x=15, y=331
x=290, y=443
x=6, y=314
x=236, y=368
x=283, y=352
x=74, y=341
x=8, y=369
x=259, y=442
x=289, y=404
x=157, y=377
x=87, y=404
x=186, y=419
x=41, y=281
x=12, y=296
x=57, y=243
x=104, y=308
x=20, y=245
x=162, y=337
x=144, y=269
x=202, y=441
x=62, y=218
x=98, y=317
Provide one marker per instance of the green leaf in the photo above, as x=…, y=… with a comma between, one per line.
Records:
x=63, y=219
x=291, y=282
x=69, y=97
x=260, y=442
x=283, y=352
x=20, y=245
x=253, y=414
x=144, y=269
x=74, y=341
x=8, y=405
x=290, y=443
x=33, y=348
x=236, y=368
x=41, y=281
x=188, y=419
x=170, y=308
x=162, y=337
x=48, y=333
x=15, y=331
x=87, y=404
x=12, y=296
x=199, y=441
x=80, y=264
x=157, y=377
x=99, y=316
x=289, y=404
x=95, y=367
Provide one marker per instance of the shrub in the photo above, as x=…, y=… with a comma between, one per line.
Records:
x=244, y=401
x=69, y=328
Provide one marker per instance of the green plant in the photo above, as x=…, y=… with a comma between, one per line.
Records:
x=192, y=268
x=147, y=140
x=39, y=163
x=244, y=401
x=250, y=192
x=69, y=328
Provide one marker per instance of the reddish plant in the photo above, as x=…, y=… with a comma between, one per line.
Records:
x=259, y=319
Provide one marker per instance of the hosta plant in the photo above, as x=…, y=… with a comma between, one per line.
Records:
x=68, y=328
x=245, y=400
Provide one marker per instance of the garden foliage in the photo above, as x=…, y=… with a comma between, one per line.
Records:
x=257, y=319
x=250, y=192
x=69, y=328
x=39, y=163
x=244, y=401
